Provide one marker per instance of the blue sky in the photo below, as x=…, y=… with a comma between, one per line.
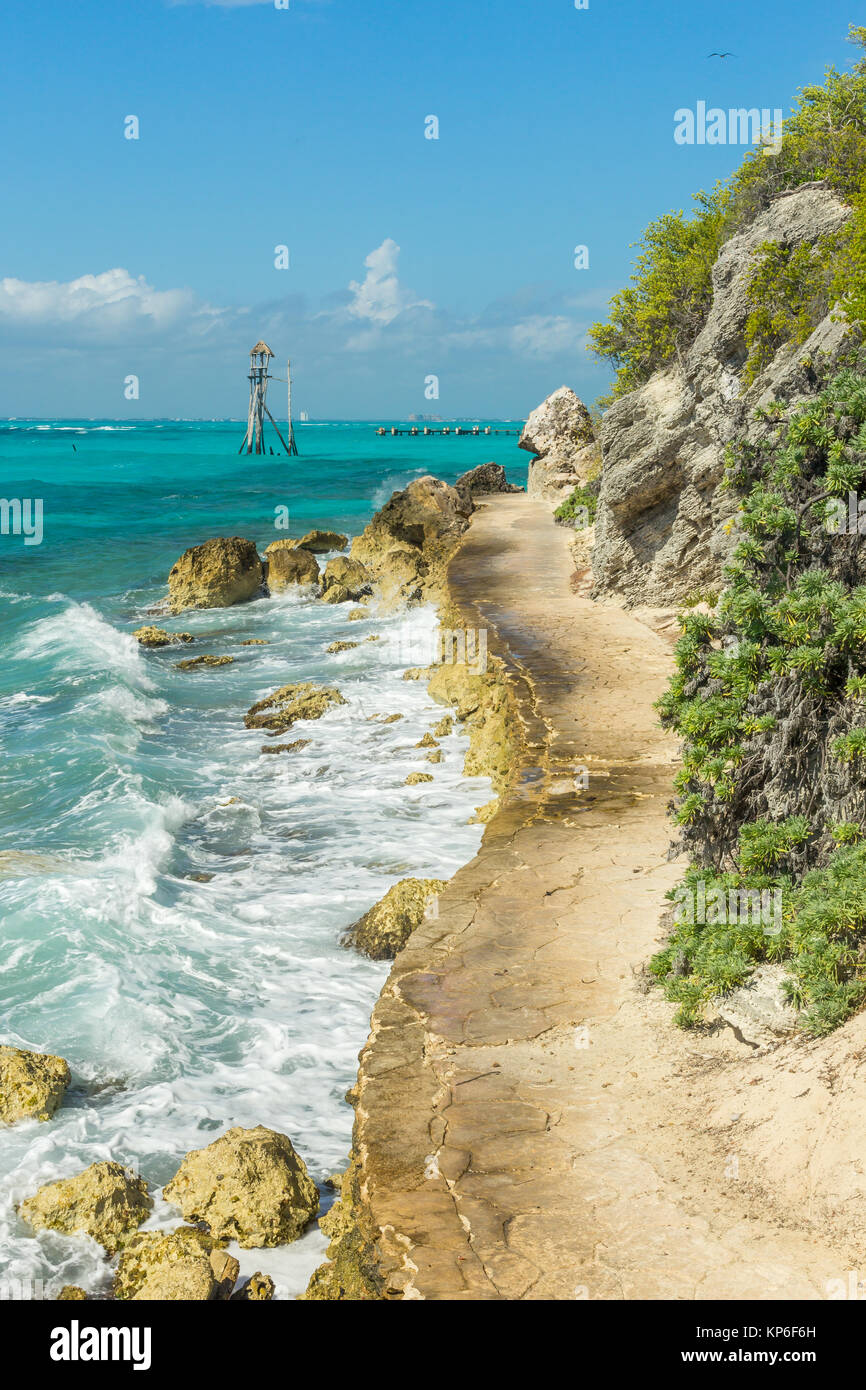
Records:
x=305, y=127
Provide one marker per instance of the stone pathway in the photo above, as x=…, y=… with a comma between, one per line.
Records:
x=529, y=1125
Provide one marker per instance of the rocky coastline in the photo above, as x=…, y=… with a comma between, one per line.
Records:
x=250, y=1185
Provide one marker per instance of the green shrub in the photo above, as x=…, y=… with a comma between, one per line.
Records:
x=782, y=618
x=662, y=310
x=580, y=506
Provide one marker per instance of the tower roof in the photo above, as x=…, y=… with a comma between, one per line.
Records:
x=261, y=347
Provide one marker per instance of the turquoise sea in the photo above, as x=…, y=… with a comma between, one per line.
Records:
x=171, y=900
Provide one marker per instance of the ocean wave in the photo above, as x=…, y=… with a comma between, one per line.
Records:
x=81, y=639
x=395, y=483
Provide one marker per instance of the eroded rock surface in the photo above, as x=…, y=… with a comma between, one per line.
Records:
x=407, y=543
x=288, y=565
x=659, y=533
x=249, y=1186
x=560, y=434
x=32, y=1084
x=150, y=636
x=184, y=1265
x=259, y=1288
x=106, y=1202
x=217, y=574
x=195, y=663
x=345, y=578
x=385, y=929
x=301, y=700
x=320, y=542
x=486, y=478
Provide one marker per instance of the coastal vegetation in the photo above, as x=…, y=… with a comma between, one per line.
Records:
x=769, y=697
x=656, y=317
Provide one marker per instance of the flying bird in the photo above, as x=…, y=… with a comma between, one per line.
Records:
x=721, y=55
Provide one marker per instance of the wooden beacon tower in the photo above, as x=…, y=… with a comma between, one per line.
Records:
x=254, y=439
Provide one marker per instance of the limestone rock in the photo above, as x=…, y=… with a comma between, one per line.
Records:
x=71, y=1293
x=320, y=542
x=294, y=747
x=481, y=703
x=31, y=1084
x=427, y=741
x=219, y=573
x=560, y=433
x=357, y=613
x=302, y=700
x=193, y=663
x=257, y=1289
x=256, y=642
x=183, y=1265
x=337, y=593
x=759, y=1009
x=385, y=929
x=486, y=478
x=288, y=565
x=402, y=575
x=158, y=637
x=443, y=727
x=336, y=647
x=347, y=576
x=408, y=541
x=415, y=777
x=106, y=1202
x=351, y=1272
x=659, y=531
x=249, y=1186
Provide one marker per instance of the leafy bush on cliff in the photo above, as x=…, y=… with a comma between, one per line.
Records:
x=580, y=505
x=769, y=696
x=661, y=312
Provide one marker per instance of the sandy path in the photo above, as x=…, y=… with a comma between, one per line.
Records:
x=529, y=1124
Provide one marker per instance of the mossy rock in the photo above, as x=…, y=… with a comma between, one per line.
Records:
x=193, y=663
x=184, y=1265
x=32, y=1084
x=302, y=700
x=259, y=1288
x=250, y=1186
x=106, y=1202
x=158, y=637
x=385, y=929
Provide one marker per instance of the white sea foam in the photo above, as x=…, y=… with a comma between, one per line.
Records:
x=81, y=639
x=183, y=950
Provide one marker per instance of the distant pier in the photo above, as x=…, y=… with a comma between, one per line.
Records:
x=446, y=429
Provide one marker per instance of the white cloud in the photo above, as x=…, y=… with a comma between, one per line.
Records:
x=113, y=299
x=546, y=335
x=381, y=297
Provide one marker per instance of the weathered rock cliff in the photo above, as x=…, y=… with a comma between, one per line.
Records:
x=660, y=526
x=560, y=434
